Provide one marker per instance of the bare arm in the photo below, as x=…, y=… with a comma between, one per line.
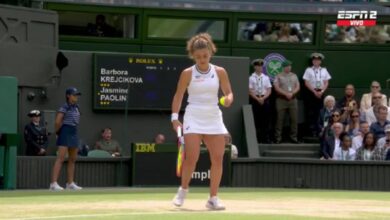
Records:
x=268, y=93
x=182, y=85
x=278, y=89
x=225, y=86
x=185, y=79
x=345, y=114
x=362, y=103
x=346, y=128
x=252, y=94
x=307, y=84
x=58, y=121
x=297, y=87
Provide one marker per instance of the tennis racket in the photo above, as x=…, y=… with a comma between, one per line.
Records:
x=180, y=154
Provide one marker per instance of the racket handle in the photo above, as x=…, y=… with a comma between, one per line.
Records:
x=179, y=131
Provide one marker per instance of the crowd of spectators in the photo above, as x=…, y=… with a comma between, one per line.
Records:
x=379, y=34
x=267, y=31
x=276, y=32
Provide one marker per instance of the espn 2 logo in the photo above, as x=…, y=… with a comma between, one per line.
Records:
x=356, y=18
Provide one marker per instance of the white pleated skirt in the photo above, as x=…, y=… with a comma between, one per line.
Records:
x=203, y=119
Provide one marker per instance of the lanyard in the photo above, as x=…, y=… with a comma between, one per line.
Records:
x=289, y=83
x=317, y=72
x=260, y=84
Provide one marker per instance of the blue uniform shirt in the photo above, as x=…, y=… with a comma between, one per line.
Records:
x=71, y=114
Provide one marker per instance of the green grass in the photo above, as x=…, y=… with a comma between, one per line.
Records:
x=101, y=204
x=196, y=193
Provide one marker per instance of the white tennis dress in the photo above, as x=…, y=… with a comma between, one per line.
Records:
x=202, y=114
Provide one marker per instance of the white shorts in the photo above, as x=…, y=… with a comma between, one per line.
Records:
x=203, y=120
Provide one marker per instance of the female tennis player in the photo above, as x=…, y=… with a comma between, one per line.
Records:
x=67, y=120
x=202, y=118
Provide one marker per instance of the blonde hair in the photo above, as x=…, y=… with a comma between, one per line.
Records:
x=201, y=41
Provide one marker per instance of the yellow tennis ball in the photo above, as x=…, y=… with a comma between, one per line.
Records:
x=222, y=101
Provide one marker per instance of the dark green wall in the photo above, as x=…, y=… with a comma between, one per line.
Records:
x=35, y=172
x=357, y=67
x=311, y=173
x=138, y=126
x=347, y=63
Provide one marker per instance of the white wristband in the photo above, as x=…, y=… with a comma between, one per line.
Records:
x=174, y=116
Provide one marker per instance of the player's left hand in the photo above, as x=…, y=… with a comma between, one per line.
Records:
x=228, y=101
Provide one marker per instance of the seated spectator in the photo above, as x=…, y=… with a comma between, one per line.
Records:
x=378, y=35
x=378, y=128
x=108, y=144
x=361, y=35
x=357, y=141
x=345, y=151
x=332, y=142
x=35, y=135
x=366, y=101
x=159, y=139
x=368, y=150
x=328, y=131
x=284, y=35
x=349, y=96
x=384, y=142
x=346, y=112
x=353, y=126
x=234, y=150
x=326, y=113
x=101, y=28
x=371, y=114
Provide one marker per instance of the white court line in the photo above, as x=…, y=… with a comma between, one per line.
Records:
x=112, y=214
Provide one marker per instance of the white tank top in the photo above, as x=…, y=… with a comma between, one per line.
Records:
x=203, y=88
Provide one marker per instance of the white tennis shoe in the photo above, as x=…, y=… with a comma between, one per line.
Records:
x=73, y=186
x=215, y=204
x=181, y=194
x=55, y=187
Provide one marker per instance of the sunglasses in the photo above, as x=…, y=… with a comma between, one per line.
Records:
x=355, y=116
x=335, y=115
x=375, y=87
